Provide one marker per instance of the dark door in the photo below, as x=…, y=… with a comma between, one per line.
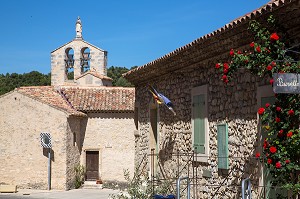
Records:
x=92, y=165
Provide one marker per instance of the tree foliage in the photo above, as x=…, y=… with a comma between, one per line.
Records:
x=11, y=81
x=116, y=72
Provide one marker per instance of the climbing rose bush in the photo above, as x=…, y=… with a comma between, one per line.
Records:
x=266, y=55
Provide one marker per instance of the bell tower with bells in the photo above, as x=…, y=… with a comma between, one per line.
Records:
x=79, y=63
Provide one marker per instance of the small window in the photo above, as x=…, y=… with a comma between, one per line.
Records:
x=74, y=139
x=136, y=118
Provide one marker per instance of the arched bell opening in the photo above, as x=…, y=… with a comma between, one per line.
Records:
x=69, y=64
x=85, y=60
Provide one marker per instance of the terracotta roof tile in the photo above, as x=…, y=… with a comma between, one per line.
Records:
x=100, y=98
x=49, y=95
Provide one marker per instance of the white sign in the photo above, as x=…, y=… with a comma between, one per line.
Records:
x=286, y=83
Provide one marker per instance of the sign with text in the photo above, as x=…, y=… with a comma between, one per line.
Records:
x=286, y=83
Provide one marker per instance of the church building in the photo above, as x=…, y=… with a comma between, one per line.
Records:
x=80, y=119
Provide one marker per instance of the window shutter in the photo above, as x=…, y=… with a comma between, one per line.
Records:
x=199, y=124
x=222, y=130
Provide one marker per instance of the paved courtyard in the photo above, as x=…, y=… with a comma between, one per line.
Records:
x=58, y=194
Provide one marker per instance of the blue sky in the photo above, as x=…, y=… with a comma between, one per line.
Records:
x=134, y=32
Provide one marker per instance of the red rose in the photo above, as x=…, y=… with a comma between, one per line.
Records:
x=231, y=53
x=252, y=44
x=239, y=52
x=280, y=133
x=274, y=36
x=277, y=119
x=291, y=112
x=269, y=161
x=289, y=134
x=273, y=149
x=225, y=79
x=225, y=71
x=261, y=111
x=271, y=81
x=269, y=67
x=278, y=165
x=218, y=65
x=273, y=63
x=265, y=144
x=267, y=105
x=257, y=155
x=278, y=109
x=226, y=66
x=258, y=49
x=287, y=161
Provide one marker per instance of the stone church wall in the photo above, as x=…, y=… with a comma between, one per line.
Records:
x=112, y=134
x=23, y=162
x=74, y=140
x=90, y=80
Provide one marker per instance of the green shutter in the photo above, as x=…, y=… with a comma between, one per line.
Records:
x=222, y=130
x=199, y=123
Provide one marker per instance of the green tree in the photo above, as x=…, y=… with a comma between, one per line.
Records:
x=11, y=81
x=116, y=72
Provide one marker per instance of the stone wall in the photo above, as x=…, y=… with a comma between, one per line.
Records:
x=91, y=80
x=235, y=104
x=176, y=74
x=74, y=137
x=23, y=162
x=112, y=134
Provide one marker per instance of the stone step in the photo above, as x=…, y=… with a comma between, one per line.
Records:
x=91, y=185
x=8, y=188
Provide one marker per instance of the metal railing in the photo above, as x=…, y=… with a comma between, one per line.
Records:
x=184, y=165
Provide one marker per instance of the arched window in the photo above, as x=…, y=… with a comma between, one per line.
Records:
x=69, y=63
x=85, y=59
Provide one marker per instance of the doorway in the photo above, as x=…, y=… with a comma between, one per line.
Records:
x=92, y=165
x=265, y=95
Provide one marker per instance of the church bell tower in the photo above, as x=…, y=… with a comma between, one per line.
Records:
x=79, y=63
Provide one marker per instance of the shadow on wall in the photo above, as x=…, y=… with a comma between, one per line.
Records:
x=80, y=139
x=78, y=129
x=165, y=153
x=110, y=115
x=46, y=153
